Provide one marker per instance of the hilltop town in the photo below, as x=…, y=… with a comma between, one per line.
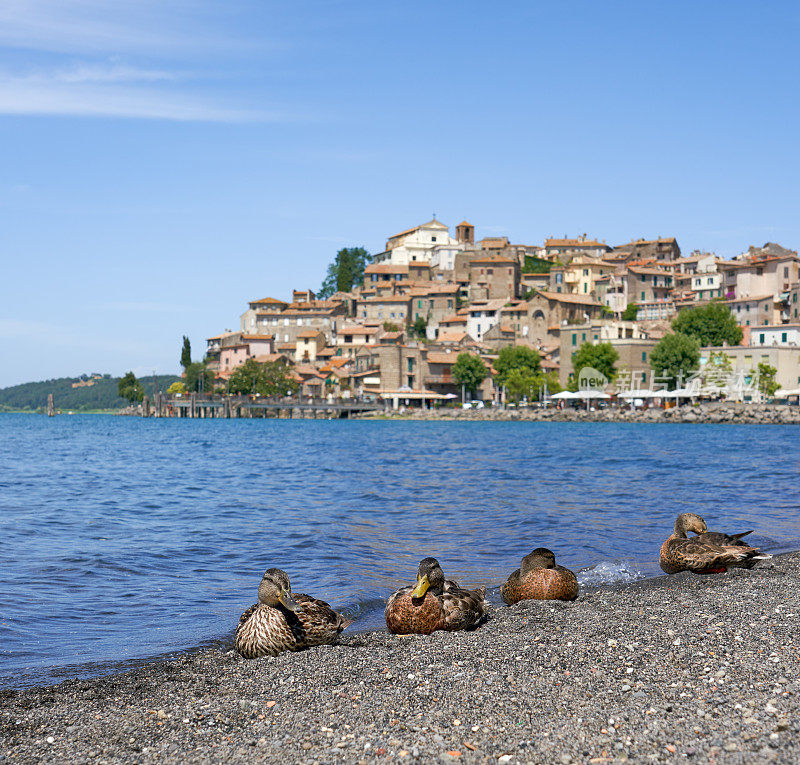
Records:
x=430, y=297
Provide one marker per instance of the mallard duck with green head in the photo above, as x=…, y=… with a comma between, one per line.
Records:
x=540, y=578
x=282, y=621
x=434, y=603
x=710, y=552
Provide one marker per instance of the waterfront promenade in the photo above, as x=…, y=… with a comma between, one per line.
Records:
x=672, y=669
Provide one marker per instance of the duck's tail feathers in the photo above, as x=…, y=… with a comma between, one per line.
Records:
x=344, y=624
x=741, y=534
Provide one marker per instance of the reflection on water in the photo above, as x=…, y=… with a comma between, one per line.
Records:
x=126, y=538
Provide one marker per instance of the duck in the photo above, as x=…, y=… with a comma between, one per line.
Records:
x=434, y=603
x=540, y=578
x=282, y=621
x=710, y=552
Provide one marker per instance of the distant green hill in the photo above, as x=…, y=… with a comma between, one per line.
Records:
x=91, y=392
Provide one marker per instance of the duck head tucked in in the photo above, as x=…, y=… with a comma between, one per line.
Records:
x=275, y=590
x=689, y=522
x=541, y=557
x=429, y=577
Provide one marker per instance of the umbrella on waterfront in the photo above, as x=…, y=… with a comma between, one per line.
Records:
x=636, y=393
x=565, y=394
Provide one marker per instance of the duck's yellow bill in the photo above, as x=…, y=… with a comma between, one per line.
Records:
x=422, y=587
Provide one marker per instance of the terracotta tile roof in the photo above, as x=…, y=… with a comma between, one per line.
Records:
x=256, y=338
x=493, y=260
x=441, y=289
x=561, y=297
x=573, y=243
x=309, y=333
x=357, y=329
x=268, y=301
x=453, y=319
x=440, y=357
x=265, y=358
x=385, y=268
x=451, y=337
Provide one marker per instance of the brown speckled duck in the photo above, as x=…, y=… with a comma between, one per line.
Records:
x=710, y=552
x=434, y=603
x=281, y=621
x=539, y=578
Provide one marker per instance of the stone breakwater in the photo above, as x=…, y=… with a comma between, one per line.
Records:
x=672, y=669
x=741, y=414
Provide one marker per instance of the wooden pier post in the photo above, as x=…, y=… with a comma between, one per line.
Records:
x=51, y=410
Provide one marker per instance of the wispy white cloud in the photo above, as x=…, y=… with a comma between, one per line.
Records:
x=97, y=26
x=114, y=90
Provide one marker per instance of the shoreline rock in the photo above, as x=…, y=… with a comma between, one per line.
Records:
x=706, y=413
x=686, y=667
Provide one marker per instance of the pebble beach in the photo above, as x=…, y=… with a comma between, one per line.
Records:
x=671, y=669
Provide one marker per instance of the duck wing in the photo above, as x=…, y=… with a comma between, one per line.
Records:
x=318, y=622
x=463, y=608
x=700, y=556
x=718, y=538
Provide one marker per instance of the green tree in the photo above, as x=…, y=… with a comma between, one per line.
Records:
x=516, y=358
x=269, y=379
x=629, y=314
x=186, y=353
x=199, y=378
x=390, y=326
x=534, y=265
x=602, y=357
x=176, y=387
x=346, y=271
x=469, y=371
x=129, y=387
x=521, y=383
x=711, y=324
x=766, y=379
x=674, y=358
x=420, y=327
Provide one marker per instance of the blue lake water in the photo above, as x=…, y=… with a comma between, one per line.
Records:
x=122, y=539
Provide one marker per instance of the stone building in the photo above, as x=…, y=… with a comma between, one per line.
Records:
x=493, y=277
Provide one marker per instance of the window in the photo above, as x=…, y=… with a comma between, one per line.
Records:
x=489, y=271
x=644, y=356
x=433, y=238
x=783, y=337
x=574, y=338
x=761, y=338
x=410, y=365
x=643, y=296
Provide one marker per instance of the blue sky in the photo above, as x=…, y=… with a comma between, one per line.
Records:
x=164, y=163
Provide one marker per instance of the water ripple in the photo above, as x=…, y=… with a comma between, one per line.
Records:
x=126, y=538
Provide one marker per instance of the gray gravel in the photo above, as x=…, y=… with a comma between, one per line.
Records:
x=679, y=669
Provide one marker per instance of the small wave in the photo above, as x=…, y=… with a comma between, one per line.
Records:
x=610, y=572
